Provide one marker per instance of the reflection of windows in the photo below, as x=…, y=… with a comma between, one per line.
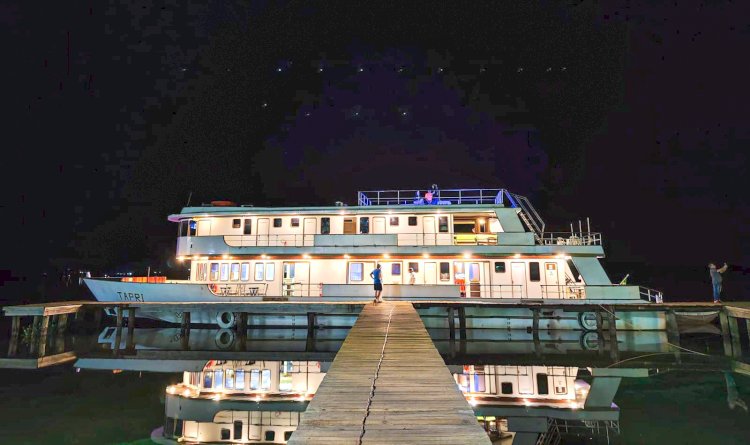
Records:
x=193, y=228
x=499, y=266
x=364, y=225
x=394, y=220
x=445, y=271
x=270, y=271
x=396, y=269
x=270, y=436
x=259, y=271
x=239, y=379
x=542, y=384
x=412, y=220
x=506, y=388
x=443, y=224
x=214, y=271
x=414, y=267
x=277, y=222
x=219, y=378
x=285, y=376
x=235, y=272
x=245, y=272
x=295, y=222
x=208, y=379
x=325, y=225
x=248, y=227
x=236, y=223
x=265, y=379
x=356, y=271
x=255, y=379
x=224, y=275
x=534, y=271
x=288, y=435
x=229, y=379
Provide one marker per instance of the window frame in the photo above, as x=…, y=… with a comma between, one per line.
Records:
x=236, y=223
x=535, y=276
x=245, y=271
x=443, y=224
x=412, y=221
x=294, y=222
x=247, y=228
x=234, y=272
x=214, y=272
x=396, y=269
x=223, y=271
x=325, y=225
x=444, y=276
x=277, y=222
x=502, y=268
x=361, y=271
x=270, y=271
x=259, y=267
x=414, y=266
x=394, y=221
x=364, y=225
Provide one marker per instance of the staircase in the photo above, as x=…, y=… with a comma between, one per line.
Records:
x=528, y=214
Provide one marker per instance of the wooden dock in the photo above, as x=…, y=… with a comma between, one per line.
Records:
x=388, y=384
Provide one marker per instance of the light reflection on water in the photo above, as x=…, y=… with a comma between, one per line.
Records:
x=218, y=385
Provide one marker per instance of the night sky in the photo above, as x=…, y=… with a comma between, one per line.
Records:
x=634, y=114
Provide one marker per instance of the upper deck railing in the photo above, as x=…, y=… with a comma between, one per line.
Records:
x=439, y=197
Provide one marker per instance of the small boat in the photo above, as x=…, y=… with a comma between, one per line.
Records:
x=696, y=317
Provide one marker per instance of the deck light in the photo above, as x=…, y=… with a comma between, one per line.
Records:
x=526, y=402
x=226, y=257
x=385, y=255
x=518, y=255
x=180, y=258
x=306, y=256
x=473, y=401
x=171, y=389
x=264, y=256
x=467, y=256
x=346, y=255
x=186, y=393
x=217, y=396
x=195, y=257
x=301, y=398
x=425, y=255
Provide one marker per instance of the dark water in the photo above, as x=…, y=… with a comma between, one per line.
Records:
x=580, y=388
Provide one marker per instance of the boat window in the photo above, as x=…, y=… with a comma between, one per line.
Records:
x=265, y=379
x=235, y=273
x=445, y=271
x=208, y=380
x=270, y=271
x=288, y=435
x=229, y=379
x=259, y=271
x=542, y=384
x=295, y=222
x=182, y=228
x=214, y=271
x=499, y=266
x=396, y=269
x=474, y=272
x=239, y=379
x=394, y=220
x=225, y=434
x=245, y=271
x=219, y=379
x=193, y=227
x=270, y=436
x=414, y=267
x=325, y=225
x=248, y=227
x=236, y=223
x=506, y=388
x=534, y=271
x=224, y=274
x=285, y=377
x=277, y=222
x=364, y=224
x=255, y=379
x=443, y=224
x=237, y=429
x=202, y=272
x=355, y=271
x=412, y=220
x=458, y=268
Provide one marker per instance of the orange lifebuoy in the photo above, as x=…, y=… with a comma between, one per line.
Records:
x=214, y=288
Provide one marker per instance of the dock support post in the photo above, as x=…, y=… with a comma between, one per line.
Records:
x=242, y=330
x=462, y=322
x=535, y=322
x=118, y=330
x=62, y=324
x=35, y=326
x=14, y=334
x=98, y=312
x=599, y=324
x=43, y=331
x=724, y=321
x=613, y=351
x=131, y=328
x=185, y=331
x=734, y=333
x=673, y=332
x=747, y=325
x=311, y=322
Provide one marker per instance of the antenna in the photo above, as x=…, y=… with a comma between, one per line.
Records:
x=188, y=201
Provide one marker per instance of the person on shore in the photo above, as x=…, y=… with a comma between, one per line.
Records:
x=377, y=278
x=412, y=276
x=716, y=279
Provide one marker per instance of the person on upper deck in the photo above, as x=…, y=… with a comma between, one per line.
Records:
x=377, y=278
x=716, y=279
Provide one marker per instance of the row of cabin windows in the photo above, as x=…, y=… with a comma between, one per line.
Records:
x=506, y=388
x=356, y=270
x=174, y=428
x=534, y=274
x=260, y=380
x=235, y=272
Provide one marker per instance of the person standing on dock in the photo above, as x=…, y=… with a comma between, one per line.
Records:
x=716, y=279
x=377, y=278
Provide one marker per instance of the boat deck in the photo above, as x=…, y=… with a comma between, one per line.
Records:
x=375, y=394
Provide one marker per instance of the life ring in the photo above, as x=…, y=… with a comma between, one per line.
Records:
x=590, y=341
x=224, y=338
x=214, y=288
x=225, y=320
x=587, y=320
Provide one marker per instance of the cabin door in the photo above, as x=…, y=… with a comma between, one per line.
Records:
x=262, y=232
x=518, y=280
x=475, y=288
x=428, y=227
x=350, y=227
x=525, y=380
x=309, y=229
x=551, y=281
x=378, y=224
x=430, y=273
x=296, y=279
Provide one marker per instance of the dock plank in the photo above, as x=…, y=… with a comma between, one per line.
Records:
x=415, y=398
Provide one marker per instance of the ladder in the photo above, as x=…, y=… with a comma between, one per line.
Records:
x=528, y=214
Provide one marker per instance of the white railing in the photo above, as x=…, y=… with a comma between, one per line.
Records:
x=278, y=240
x=651, y=295
x=402, y=239
x=238, y=289
x=571, y=239
x=440, y=197
x=564, y=291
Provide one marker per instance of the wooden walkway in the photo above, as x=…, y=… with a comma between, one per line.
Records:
x=389, y=385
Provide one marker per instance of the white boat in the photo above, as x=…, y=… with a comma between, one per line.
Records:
x=484, y=244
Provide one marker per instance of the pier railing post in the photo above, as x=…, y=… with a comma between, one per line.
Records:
x=118, y=330
x=131, y=329
x=15, y=332
x=726, y=338
x=311, y=321
x=43, y=331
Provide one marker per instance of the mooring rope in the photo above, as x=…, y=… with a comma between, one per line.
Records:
x=375, y=377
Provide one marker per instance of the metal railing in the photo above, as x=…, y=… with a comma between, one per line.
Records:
x=277, y=240
x=651, y=295
x=402, y=239
x=446, y=239
x=564, y=291
x=440, y=197
x=571, y=239
x=238, y=289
